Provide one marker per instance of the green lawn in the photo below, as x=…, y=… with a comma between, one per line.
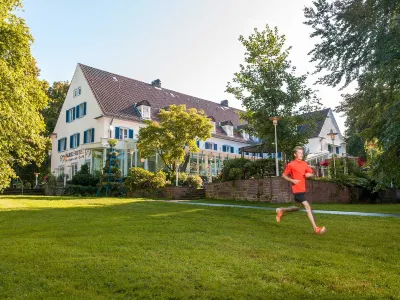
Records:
x=132, y=249
x=377, y=208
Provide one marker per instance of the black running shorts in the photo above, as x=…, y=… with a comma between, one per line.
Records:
x=299, y=197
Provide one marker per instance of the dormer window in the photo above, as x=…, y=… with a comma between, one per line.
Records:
x=144, y=109
x=228, y=127
x=229, y=130
x=245, y=135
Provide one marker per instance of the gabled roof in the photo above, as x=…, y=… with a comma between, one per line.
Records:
x=319, y=117
x=117, y=96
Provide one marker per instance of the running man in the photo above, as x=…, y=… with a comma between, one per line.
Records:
x=296, y=172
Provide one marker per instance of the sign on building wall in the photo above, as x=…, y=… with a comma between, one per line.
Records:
x=76, y=155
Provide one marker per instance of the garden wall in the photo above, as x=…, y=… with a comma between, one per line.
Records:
x=277, y=190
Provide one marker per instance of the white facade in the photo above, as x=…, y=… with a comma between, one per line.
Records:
x=322, y=147
x=69, y=161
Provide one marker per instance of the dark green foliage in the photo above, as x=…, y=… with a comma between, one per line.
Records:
x=80, y=190
x=84, y=178
x=242, y=168
x=360, y=41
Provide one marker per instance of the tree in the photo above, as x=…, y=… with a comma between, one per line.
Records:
x=22, y=96
x=57, y=94
x=360, y=40
x=177, y=128
x=268, y=86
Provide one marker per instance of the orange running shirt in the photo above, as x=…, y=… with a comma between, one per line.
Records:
x=297, y=169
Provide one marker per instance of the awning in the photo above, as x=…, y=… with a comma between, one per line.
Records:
x=259, y=148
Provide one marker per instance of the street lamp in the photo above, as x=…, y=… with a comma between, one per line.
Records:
x=131, y=153
x=36, y=179
x=332, y=135
x=371, y=147
x=275, y=122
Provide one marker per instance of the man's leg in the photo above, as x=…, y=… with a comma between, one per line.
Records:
x=282, y=210
x=309, y=213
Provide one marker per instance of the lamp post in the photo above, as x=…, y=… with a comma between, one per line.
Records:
x=275, y=122
x=36, y=179
x=131, y=153
x=371, y=147
x=332, y=135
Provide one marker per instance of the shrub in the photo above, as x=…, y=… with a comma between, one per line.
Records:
x=235, y=174
x=158, y=180
x=259, y=168
x=138, y=178
x=79, y=190
x=194, y=181
x=84, y=178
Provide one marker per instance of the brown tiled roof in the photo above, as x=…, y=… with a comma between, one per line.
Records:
x=118, y=94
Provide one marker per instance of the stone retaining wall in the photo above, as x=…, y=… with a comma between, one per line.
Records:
x=277, y=190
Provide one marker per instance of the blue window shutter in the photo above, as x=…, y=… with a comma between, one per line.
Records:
x=337, y=150
x=59, y=145
x=85, y=137
x=215, y=147
x=73, y=117
x=117, y=133
x=92, y=135
x=84, y=108
x=71, y=141
x=67, y=116
x=77, y=112
x=78, y=136
x=198, y=144
x=224, y=148
x=130, y=133
x=232, y=150
x=206, y=145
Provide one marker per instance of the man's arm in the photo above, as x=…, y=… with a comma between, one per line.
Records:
x=294, y=181
x=309, y=172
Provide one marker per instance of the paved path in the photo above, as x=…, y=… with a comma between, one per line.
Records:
x=330, y=212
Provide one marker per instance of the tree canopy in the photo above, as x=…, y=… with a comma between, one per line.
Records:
x=360, y=41
x=267, y=86
x=177, y=129
x=22, y=96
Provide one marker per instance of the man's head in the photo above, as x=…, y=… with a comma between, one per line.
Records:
x=298, y=152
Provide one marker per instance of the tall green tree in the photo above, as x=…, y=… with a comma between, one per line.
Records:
x=268, y=86
x=177, y=129
x=360, y=41
x=57, y=94
x=22, y=96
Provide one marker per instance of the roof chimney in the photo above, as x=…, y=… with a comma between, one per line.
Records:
x=225, y=103
x=156, y=83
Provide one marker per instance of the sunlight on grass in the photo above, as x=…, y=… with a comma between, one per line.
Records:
x=41, y=202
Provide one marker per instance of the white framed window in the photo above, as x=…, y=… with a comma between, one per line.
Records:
x=81, y=110
x=74, y=169
x=62, y=144
x=60, y=171
x=245, y=135
x=75, y=140
x=77, y=92
x=145, y=112
x=71, y=114
x=89, y=136
x=123, y=133
x=214, y=128
x=89, y=164
x=229, y=130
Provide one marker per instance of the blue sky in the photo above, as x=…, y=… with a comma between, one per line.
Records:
x=192, y=46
